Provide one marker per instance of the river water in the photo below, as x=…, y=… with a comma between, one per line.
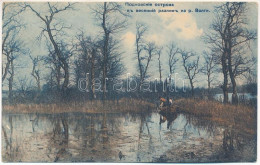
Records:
x=115, y=137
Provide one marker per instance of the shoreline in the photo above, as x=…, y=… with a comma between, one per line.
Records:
x=96, y=106
x=239, y=117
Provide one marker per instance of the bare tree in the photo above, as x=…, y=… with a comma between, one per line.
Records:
x=144, y=51
x=10, y=81
x=12, y=46
x=12, y=50
x=11, y=27
x=220, y=58
x=159, y=52
x=24, y=86
x=242, y=62
x=53, y=31
x=173, y=50
x=89, y=52
x=108, y=15
x=150, y=52
x=36, y=71
x=251, y=76
x=229, y=34
x=209, y=68
x=140, y=44
x=53, y=64
x=191, y=67
x=115, y=67
x=94, y=55
x=237, y=36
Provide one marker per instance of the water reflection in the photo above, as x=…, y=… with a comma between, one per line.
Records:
x=167, y=116
x=11, y=149
x=60, y=135
x=137, y=137
x=34, y=120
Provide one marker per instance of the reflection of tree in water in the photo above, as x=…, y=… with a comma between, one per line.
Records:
x=12, y=148
x=167, y=116
x=144, y=118
x=201, y=124
x=228, y=141
x=185, y=134
x=104, y=131
x=138, y=159
x=233, y=141
x=102, y=136
x=83, y=129
x=60, y=135
x=92, y=132
x=34, y=121
x=89, y=135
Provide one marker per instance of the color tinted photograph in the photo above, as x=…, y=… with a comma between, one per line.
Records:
x=129, y=81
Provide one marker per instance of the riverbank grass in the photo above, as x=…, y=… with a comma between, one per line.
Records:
x=239, y=117
x=95, y=106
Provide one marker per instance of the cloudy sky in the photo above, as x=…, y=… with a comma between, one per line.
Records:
x=185, y=29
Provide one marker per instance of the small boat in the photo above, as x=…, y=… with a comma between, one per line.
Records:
x=171, y=108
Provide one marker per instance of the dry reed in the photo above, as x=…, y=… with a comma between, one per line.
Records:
x=96, y=106
x=240, y=117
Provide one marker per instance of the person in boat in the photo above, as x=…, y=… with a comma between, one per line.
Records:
x=162, y=102
x=170, y=101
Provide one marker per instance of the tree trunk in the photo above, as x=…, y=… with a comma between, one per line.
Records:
x=36, y=76
x=10, y=83
x=192, y=88
x=39, y=84
x=209, y=86
x=140, y=70
x=160, y=69
x=92, y=75
x=225, y=74
x=105, y=51
x=234, y=89
x=58, y=76
x=232, y=77
x=66, y=77
x=5, y=71
x=64, y=65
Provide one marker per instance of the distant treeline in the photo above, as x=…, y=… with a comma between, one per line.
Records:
x=50, y=95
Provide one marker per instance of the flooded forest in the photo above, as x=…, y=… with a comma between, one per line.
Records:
x=122, y=82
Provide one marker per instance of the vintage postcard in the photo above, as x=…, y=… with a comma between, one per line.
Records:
x=129, y=81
